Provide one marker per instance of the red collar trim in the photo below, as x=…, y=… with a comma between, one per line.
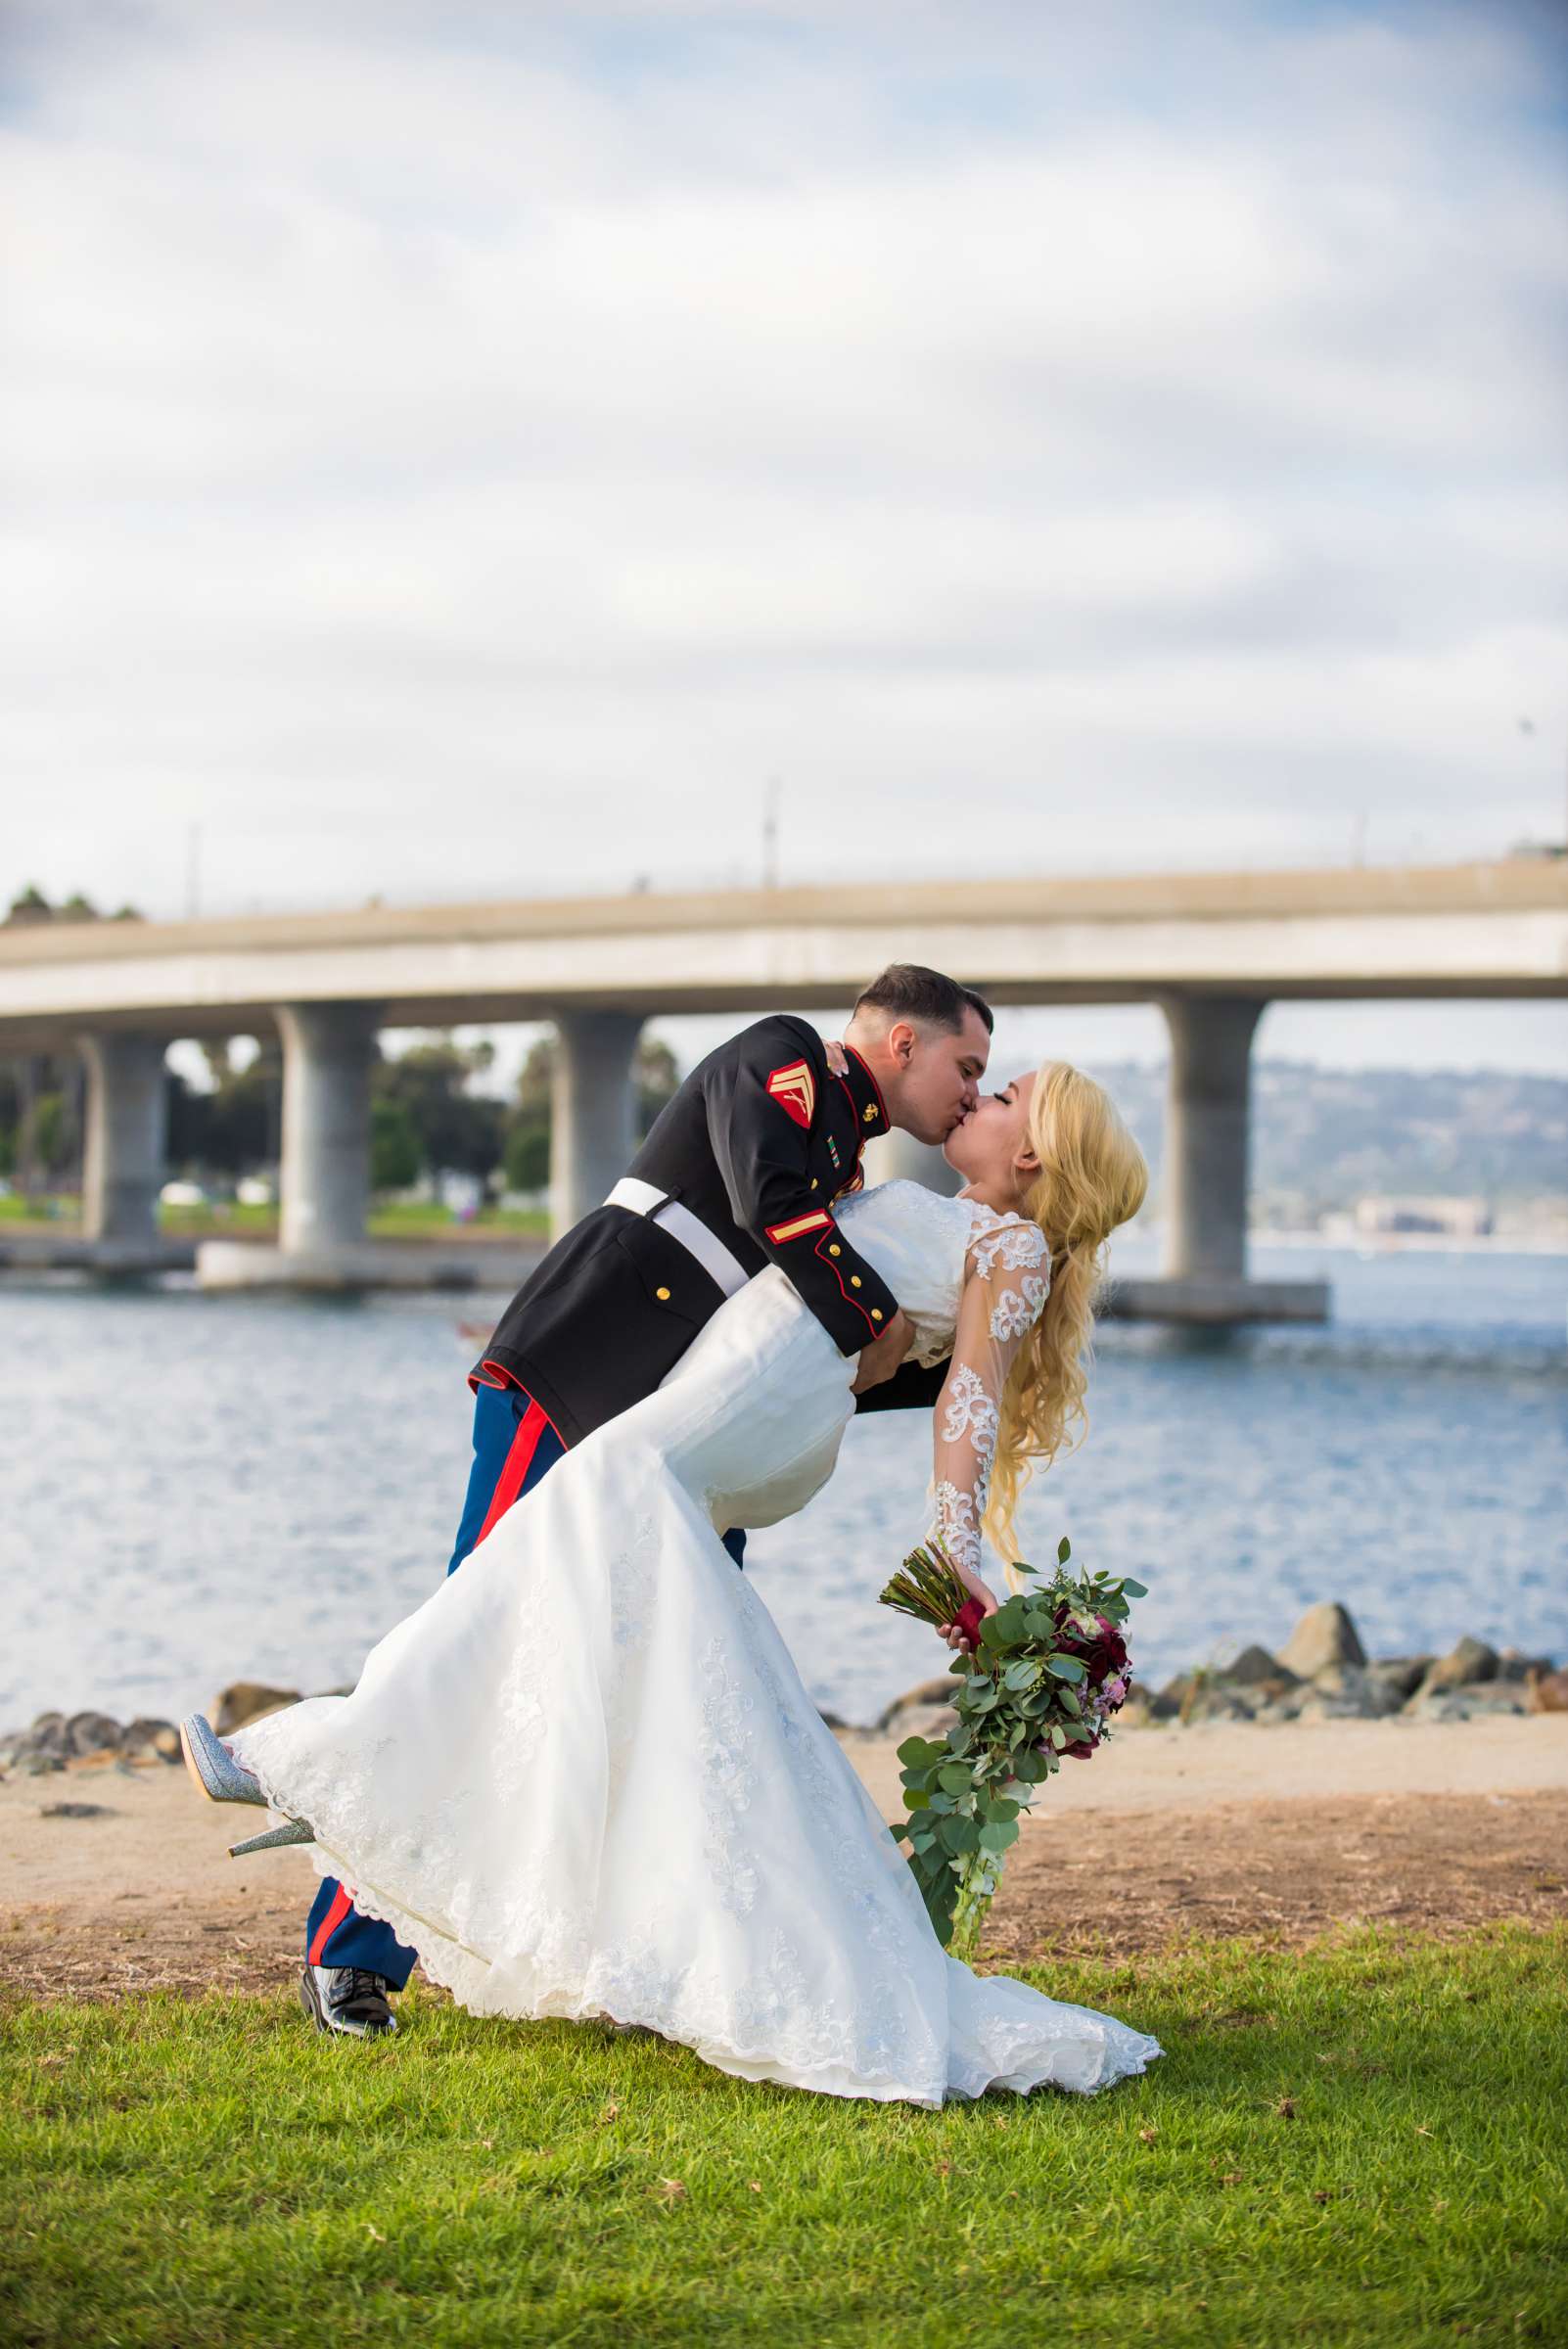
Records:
x=876, y=1089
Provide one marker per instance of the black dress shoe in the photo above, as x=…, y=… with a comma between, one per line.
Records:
x=347, y=1999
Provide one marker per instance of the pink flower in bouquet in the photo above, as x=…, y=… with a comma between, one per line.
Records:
x=1102, y=1651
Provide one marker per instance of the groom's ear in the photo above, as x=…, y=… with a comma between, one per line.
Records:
x=902, y=1042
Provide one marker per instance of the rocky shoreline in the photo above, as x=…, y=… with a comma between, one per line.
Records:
x=89, y=1741
x=1322, y=1672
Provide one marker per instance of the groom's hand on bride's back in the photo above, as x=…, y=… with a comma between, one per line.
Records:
x=885, y=1353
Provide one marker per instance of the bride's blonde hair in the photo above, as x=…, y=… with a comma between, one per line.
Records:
x=1092, y=1177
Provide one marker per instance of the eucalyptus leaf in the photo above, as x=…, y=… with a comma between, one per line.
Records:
x=998, y=1834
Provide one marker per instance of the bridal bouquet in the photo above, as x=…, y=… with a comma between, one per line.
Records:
x=1050, y=1669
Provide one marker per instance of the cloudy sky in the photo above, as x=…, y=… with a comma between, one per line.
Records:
x=470, y=449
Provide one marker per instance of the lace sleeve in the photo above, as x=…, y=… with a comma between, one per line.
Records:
x=1004, y=1295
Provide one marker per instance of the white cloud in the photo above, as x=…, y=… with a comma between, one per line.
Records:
x=451, y=443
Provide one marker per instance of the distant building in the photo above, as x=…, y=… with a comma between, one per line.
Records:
x=1455, y=1218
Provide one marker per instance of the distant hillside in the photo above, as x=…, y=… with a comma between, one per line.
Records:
x=1324, y=1138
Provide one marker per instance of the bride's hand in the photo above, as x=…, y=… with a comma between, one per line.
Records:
x=838, y=1059
x=949, y=1631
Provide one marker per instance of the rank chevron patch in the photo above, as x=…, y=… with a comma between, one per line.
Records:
x=794, y=1088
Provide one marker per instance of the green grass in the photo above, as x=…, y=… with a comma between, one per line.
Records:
x=58, y=1215
x=211, y=2174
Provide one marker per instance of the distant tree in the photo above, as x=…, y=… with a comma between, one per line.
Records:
x=527, y=1155
x=41, y=1143
x=528, y=1136
x=232, y=1125
x=31, y=905
x=56, y=1138
x=458, y=1131
x=393, y=1147
x=657, y=1080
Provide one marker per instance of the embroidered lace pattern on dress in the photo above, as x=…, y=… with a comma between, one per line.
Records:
x=994, y=1315
x=957, y=1520
x=969, y=1411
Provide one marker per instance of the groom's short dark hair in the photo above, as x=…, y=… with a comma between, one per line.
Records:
x=908, y=991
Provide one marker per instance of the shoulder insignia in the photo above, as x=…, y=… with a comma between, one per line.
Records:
x=797, y=1227
x=794, y=1088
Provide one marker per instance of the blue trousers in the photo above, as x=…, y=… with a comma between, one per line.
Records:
x=515, y=1444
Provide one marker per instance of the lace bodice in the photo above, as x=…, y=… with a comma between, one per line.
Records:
x=974, y=1282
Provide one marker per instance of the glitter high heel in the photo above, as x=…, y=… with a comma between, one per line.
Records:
x=293, y=1830
x=223, y=1779
x=213, y=1769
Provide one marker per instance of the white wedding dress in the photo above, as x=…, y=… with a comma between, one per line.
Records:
x=585, y=1779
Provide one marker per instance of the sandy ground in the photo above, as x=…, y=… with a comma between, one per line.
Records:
x=1280, y=1833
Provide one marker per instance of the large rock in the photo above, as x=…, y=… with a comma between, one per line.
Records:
x=1213, y=1701
x=920, y=1721
x=1324, y=1635
x=924, y=1693
x=47, y=1739
x=1548, y=1691
x=1476, y=1700
x=1404, y=1673
x=1350, y=1692
x=1468, y=1661
x=92, y=1733
x=1255, y=1668
x=1289, y=1706
x=1165, y=1704
x=159, y=1738
x=1515, y=1665
x=243, y=1701
x=1200, y=1696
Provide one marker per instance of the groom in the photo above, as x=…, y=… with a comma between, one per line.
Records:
x=742, y=1170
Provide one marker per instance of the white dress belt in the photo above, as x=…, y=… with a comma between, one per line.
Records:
x=716, y=1260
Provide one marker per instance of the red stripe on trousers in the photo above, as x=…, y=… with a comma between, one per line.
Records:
x=340, y=1905
x=509, y=1484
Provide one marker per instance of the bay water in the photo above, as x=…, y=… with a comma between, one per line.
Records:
x=200, y=1488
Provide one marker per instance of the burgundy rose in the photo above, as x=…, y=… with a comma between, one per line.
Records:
x=1101, y=1651
x=1080, y=1748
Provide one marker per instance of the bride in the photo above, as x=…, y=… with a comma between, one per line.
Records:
x=585, y=1778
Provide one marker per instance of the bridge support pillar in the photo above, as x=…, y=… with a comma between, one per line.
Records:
x=128, y=1128
x=1206, y=1136
x=593, y=1126
x=328, y=1049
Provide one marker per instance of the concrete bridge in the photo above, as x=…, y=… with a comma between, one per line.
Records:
x=1212, y=949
